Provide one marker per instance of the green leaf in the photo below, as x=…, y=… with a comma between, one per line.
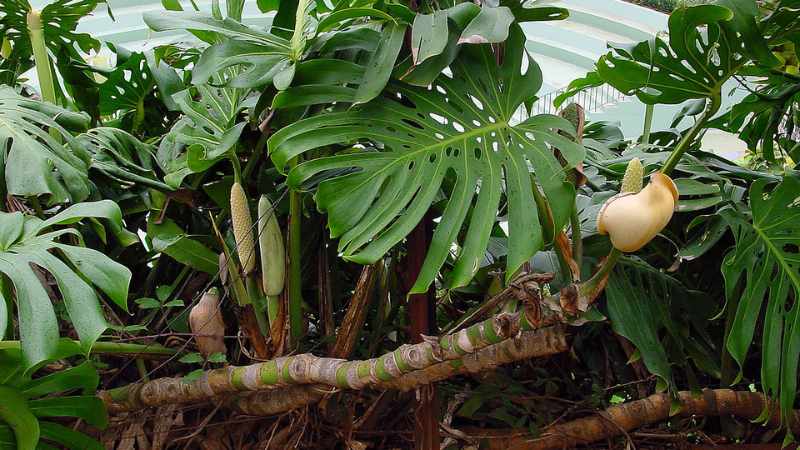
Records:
x=523, y=13
x=10, y=229
x=261, y=63
x=168, y=238
x=428, y=35
x=217, y=358
x=766, y=259
x=108, y=275
x=82, y=303
x=208, y=132
x=263, y=55
x=127, y=86
x=15, y=412
x=191, y=358
x=37, y=163
x=463, y=125
x=706, y=239
x=335, y=18
x=68, y=437
x=699, y=58
x=164, y=291
x=87, y=407
x=59, y=21
x=744, y=23
x=641, y=302
x=488, y=27
x=381, y=62
x=103, y=209
x=122, y=157
x=38, y=327
x=37, y=321
x=174, y=303
x=169, y=20
x=268, y=5
x=83, y=377
x=193, y=376
x=7, y=439
x=4, y=306
x=148, y=303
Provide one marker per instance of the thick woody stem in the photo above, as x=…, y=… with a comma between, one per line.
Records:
x=529, y=344
x=625, y=417
x=310, y=369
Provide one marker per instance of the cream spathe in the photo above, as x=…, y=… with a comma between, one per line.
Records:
x=632, y=220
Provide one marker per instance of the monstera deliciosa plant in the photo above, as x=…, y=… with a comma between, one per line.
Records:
x=297, y=200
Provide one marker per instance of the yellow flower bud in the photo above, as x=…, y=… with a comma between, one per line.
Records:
x=243, y=229
x=634, y=174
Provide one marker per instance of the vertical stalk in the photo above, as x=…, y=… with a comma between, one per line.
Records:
x=138, y=117
x=592, y=288
x=549, y=231
x=648, y=123
x=40, y=57
x=674, y=157
x=295, y=309
x=577, y=243
x=422, y=320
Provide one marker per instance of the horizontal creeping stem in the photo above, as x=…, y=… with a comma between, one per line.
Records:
x=310, y=369
x=527, y=344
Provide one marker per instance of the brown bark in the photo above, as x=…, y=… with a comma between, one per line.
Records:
x=353, y=322
x=422, y=318
x=325, y=290
x=622, y=418
x=249, y=325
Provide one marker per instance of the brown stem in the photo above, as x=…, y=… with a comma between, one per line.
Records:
x=325, y=290
x=422, y=318
x=353, y=322
x=620, y=419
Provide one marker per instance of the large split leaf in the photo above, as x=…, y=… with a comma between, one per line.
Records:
x=27, y=244
x=206, y=134
x=700, y=56
x=36, y=163
x=767, y=259
x=122, y=157
x=59, y=20
x=127, y=85
x=655, y=312
x=461, y=128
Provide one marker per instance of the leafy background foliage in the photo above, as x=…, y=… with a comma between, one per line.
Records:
x=368, y=124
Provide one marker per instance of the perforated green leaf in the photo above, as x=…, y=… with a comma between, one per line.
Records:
x=127, y=86
x=766, y=258
x=698, y=59
x=461, y=127
x=59, y=19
